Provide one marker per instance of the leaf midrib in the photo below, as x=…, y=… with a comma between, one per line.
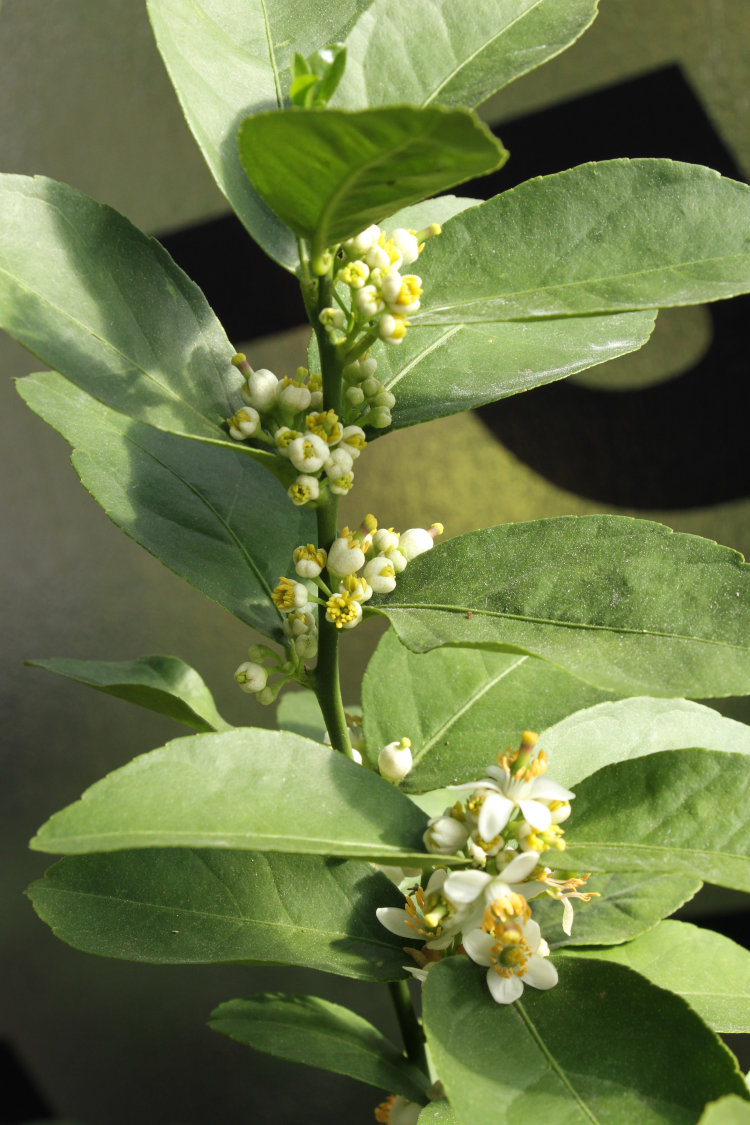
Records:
x=555, y=1067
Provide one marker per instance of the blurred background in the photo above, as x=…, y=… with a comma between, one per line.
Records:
x=660, y=434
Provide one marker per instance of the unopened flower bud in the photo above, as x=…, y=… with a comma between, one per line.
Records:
x=379, y=418
x=304, y=490
x=244, y=423
x=415, y=542
x=362, y=241
x=395, y=760
x=355, y=396
x=406, y=243
x=445, y=835
x=381, y=575
x=306, y=646
x=353, y=439
x=261, y=390
x=251, y=677
x=294, y=397
x=385, y=539
x=309, y=560
x=345, y=558
x=308, y=453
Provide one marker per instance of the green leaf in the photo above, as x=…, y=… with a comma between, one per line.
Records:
x=306, y=1029
x=682, y=811
x=453, y=52
x=329, y=173
x=460, y=707
x=93, y=297
x=160, y=683
x=632, y=728
x=727, y=1111
x=251, y=789
x=603, y=1046
x=437, y=1113
x=209, y=513
x=629, y=904
x=628, y=605
x=228, y=58
x=708, y=970
x=600, y=238
x=299, y=711
x=183, y=906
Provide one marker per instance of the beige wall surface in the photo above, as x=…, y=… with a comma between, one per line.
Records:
x=84, y=99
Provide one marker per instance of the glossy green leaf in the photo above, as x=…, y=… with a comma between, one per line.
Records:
x=328, y=173
x=306, y=1029
x=229, y=58
x=731, y=1110
x=682, y=810
x=159, y=683
x=251, y=789
x=630, y=903
x=708, y=970
x=627, y=605
x=606, y=237
x=453, y=52
x=208, y=512
x=93, y=297
x=632, y=728
x=299, y=711
x=460, y=706
x=437, y=1113
x=603, y=1046
x=183, y=906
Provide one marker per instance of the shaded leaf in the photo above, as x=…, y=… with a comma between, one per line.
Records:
x=627, y=605
x=603, y=237
x=460, y=707
x=90, y=295
x=160, y=683
x=707, y=969
x=632, y=728
x=306, y=1029
x=245, y=789
x=560, y=1055
x=229, y=58
x=466, y=50
x=682, y=810
x=182, y=906
x=630, y=903
x=299, y=711
x=328, y=173
x=210, y=514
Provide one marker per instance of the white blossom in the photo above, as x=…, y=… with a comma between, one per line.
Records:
x=251, y=677
x=515, y=955
x=308, y=453
x=381, y=575
x=395, y=760
x=345, y=557
x=261, y=390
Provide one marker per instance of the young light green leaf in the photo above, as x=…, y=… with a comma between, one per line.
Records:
x=256, y=790
x=306, y=1029
x=437, y=1113
x=328, y=173
x=460, y=707
x=160, y=683
x=681, y=810
x=229, y=58
x=93, y=297
x=632, y=728
x=730, y=1110
x=591, y=1050
x=628, y=605
x=630, y=903
x=182, y=906
x=299, y=711
x=453, y=52
x=209, y=513
x=707, y=969
x=600, y=238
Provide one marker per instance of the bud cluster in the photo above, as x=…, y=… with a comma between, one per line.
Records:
x=484, y=911
x=287, y=415
x=253, y=674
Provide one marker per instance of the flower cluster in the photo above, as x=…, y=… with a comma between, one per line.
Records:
x=510, y=818
x=287, y=415
x=380, y=296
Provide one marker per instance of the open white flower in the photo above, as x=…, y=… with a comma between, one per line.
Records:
x=514, y=954
x=427, y=915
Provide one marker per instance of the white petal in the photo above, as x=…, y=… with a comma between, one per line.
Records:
x=435, y=881
x=519, y=867
x=545, y=789
x=394, y=920
x=504, y=989
x=484, y=783
x=465, y=886
x=540, y=973
x=567, y=922
x=536, y=814
x=499, y=775
x=494, y=815
x=532, y=934
x=478, y=945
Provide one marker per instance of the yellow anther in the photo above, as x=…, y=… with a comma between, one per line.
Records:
x=326, y=425
x=284, y=594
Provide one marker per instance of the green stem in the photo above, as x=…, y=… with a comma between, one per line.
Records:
x=411, y=1030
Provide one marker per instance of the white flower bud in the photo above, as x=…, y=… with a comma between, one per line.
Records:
x=309, y=560
x=343, y=558
x=316, y=400
x=379, y=417
x=362, y=242
x=384, y=398
x=298, y=622
x=261, y=390
x=332, y=318
x=391, y=286
x=353, y=439
x=415, y=542
x=377, y=257
x=284, y=437
x=392, y=329
x=308, y=453
x=354, y=396
x=303, y=490
x=244, y=423
x=267, y=695
x=395, y=760
x=251, y=677
x=385, y=539
x=355, y=274
x=295, y=397
x=406, y=243
x=368, y=302
x=396, y=559
x=369, y=366
x=340, y=485
x=306, y=646
x=381, y=575
x=371, y=387
x=445, y=835
x=338, y=464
